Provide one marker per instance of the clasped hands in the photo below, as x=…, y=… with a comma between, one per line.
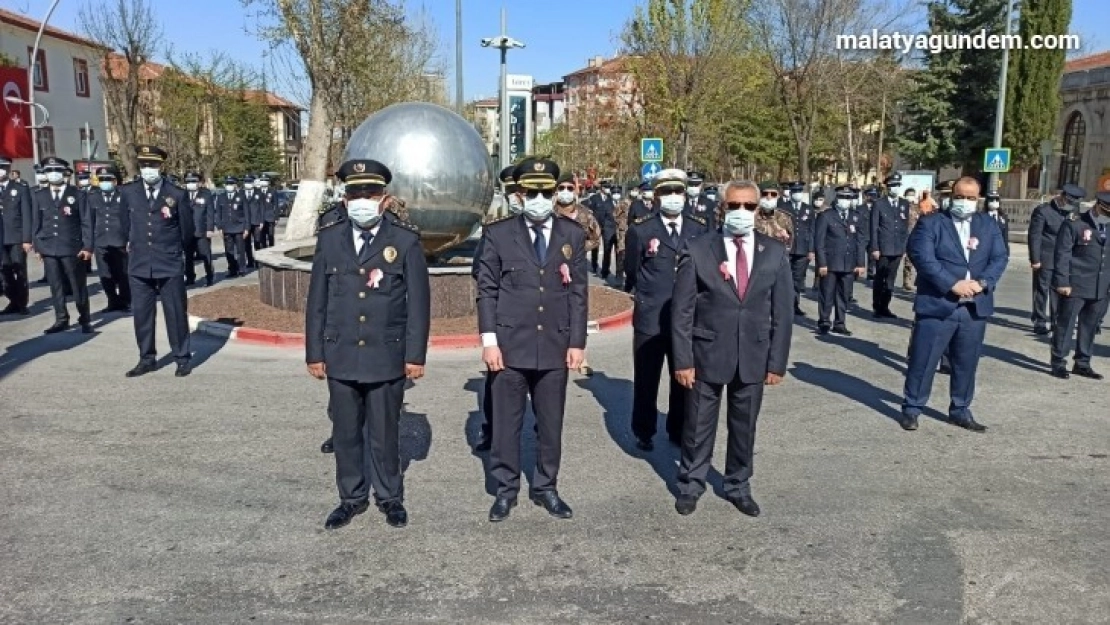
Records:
x=686, y=377
x=967, y=288
x=491, y=356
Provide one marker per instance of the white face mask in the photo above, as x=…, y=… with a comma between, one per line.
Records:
x=516, y=206
x=693, y=191
x=649, y=195
x=843, y=203
x=992, y=205
x=962, y=209
x=911, y=198
x=796, y=197
x=84, y=183
x=892, y=192
x=264, y=185
x=40, y=178
x=55, y=177
x=711, y=196
x=616, y=196
x=739, y=222
x=538, y=208
x=768, y=204
x=819, y=202
x=634, y=194
x=364, y=212
x=671, y=204
x=248, y=186
x=230, y=188
x=565, y=197
x=107, y=186
x=191, y=186
x=3, y=173
x=150, y=175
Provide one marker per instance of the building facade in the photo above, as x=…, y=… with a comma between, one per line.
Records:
x=600, y=93
x=65, y=82
x=548, y=106
x=1083, y=130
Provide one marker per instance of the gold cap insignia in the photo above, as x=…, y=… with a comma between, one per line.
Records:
x=567, y=251
x=538, y=167
x=390, y=254
x=359, y=167
x=146, y=150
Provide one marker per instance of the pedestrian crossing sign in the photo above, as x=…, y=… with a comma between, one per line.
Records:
x=996, y=160
x=651, y=150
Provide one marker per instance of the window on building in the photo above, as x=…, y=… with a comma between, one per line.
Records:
x=1075, y=136
x=42, y=80
x=81, y=77
x=45, y=138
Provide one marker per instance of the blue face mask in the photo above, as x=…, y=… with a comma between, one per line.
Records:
x=107, y=186
x=739, y=222
x=364, y=212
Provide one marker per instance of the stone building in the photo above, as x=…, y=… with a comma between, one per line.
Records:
x=1083, y=131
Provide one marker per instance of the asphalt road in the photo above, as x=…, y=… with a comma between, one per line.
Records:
x=203, y=499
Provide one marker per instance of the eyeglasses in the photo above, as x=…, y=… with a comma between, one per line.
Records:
x=532, y=194
x=749, y=206
x=669, y=191
x=565, y=187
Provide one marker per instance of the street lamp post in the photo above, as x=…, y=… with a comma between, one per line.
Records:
x=503, y=42
x=31, y=83
x=458, y=58
x=1000, y=110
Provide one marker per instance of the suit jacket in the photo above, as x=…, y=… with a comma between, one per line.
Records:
x=110, y=219
x=889, y=227
x=938, y=256
x=650, y=262
x=703, y=207
x=1044, y=225
x=256, y=207
x=16, y=213
x=838, y=243
x=204, y=212
x=231, y=213
x=719, y=335
x=536, y=315
x=864, y=212
x=604, y=209
x=804, y=219
x=1003, y=223
x=638, y=208
x=61, y=228
x=1082, y=258
x=157, y=231
x=362, y=332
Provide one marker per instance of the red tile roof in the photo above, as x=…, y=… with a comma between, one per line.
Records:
x=1091, y=61
x=26, y=23
x=117, y=63
x=611, y=66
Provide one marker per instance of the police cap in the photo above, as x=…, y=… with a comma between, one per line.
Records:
x=845, y=190
x=871, y=192
x=694, y=178
x=768, y=186
x=946, y=186
x=55, y=163
x=1104, y=199
x=796, y=187
x=1074, y=191
x=893, y=180
x=507, y=175
x=104, y=173
x=192, y=176
x=150, y=154
x=83, y=175
x=992, y=195
x=540, y=174
x=5, y=161
x=671, y=179
x=231, y=180
x=364, y=172
x=248, y=179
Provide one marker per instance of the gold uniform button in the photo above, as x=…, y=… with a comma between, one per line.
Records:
x=361, y=343
x=540, y=328
x=362, y=294
x=541, y=289
x=540, y=309
x=361, y=271
x=362, y=318
x=541, y=272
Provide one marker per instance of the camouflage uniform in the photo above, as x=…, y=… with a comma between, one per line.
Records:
x=620, y=213
x=908, y=273
x=778, y=225
x=585, y=218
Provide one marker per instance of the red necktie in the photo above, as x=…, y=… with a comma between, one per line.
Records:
x=741, y=267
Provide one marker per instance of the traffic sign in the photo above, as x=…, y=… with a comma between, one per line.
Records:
x=650, y=170
x=996, y=160
x=651, y=150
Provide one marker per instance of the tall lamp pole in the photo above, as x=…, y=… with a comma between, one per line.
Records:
x=504, y=43
x=1000, y=110
x=31, y=81
x=458, y=58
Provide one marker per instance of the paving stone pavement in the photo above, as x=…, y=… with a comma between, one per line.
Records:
x=203, y=499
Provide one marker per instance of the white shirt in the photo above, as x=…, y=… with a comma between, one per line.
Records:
x=677, y=221
x=963, y=228
x=749, y=253
x=489, y=339
x=356, y=232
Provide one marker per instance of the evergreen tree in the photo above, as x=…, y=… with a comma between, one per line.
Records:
x=255, y=138
x=930, y=127
x=1033, y=94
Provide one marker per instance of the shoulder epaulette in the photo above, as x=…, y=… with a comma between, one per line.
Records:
x=696, y=218
x=407, y=226
x=500, y=219
x=339, y=220
x=571, y=220
x=642, y=219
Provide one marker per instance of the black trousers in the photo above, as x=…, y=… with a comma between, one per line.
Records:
x=63, y=271
x=365, y=431
x=836, y=289
x=13, y=260
x=487, y=405
x=648, y=352
x=511, y=388
x=144, y=297
x=1088, y=313
x=882, y=288
x=608, y=245
x=199, y=249
x=258, y=237
x=235, y=248
x=1044, y=296
x=111, y=266
x=799, y=264
x=268, y=228
x=700, y=434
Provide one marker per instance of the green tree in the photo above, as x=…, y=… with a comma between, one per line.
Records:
x=257, y=150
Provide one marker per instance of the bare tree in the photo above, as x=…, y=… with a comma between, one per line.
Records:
x=127, y=31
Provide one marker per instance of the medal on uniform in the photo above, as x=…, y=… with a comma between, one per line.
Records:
x=390, y=254
x=71, y=200
x=567, y=251
x=170, y=202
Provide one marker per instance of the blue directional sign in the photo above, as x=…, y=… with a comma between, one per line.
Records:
x=651, y=150
x=650, y=170
x=996, y=160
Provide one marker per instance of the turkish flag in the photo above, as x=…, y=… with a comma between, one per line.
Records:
x=15, y=136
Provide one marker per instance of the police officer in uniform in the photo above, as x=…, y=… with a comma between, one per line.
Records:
x=992, y=205
x=641, y=202
x=887, y=244
x=269, y=210
x=532, y=311
x=601, y=203
x=110, y=225
x=654, y=243
x=17, y=216
x=1044, y=226
x=63, y=238
x=232, y=220
x=801, y=245
x=697, y=204
x=1081, y=277
x=204, y=226
x=819, y=206
x=840, y=250
x=84, y=181
x=366, y=331
x=161, y=226
x=255, y=210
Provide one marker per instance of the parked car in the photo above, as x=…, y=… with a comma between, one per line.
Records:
x=285, y=202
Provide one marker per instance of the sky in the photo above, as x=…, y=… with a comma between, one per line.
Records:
x=559, y=36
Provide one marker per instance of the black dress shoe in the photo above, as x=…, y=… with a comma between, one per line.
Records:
x=685, y=505
x=944, y=369
x=12, y=309
x=342, y=515
x=970, y=424
x=843, y=330
x=86, y=328
x=645, y=444
x=395, y=513
x=326, y=447
x=1060, y=372
x=140, y=369
x=745, y=504
x=190, y=282
x=208, y=281
x=555, y=506
x=822, y=330
x=908, y=422
x=676, y=439
x=798, y=312
x=183, y=370
x=501, y=508
x=885, y=314
x=1041, y=330
x=56, y=328
x=1086, y=372
x=485, y=443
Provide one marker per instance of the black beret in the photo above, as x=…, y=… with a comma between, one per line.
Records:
x=364, y=172
x=768, y=186
x=566, y=177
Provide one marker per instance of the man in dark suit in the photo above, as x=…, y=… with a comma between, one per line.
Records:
x=1044, y=226
x=16, y=213
x=801, y=245
x=731, y=334
x=603, y=207
x=959, y=259
x=232, y=220
x=367, y=322
x=840, y=249
x=532, y=310
x=204, y=226
x=887, y=244
x=651, y=255
x=63, y=238
x=697, y=204
x=160, y=227
x=110, y=225
x=1081, y=277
